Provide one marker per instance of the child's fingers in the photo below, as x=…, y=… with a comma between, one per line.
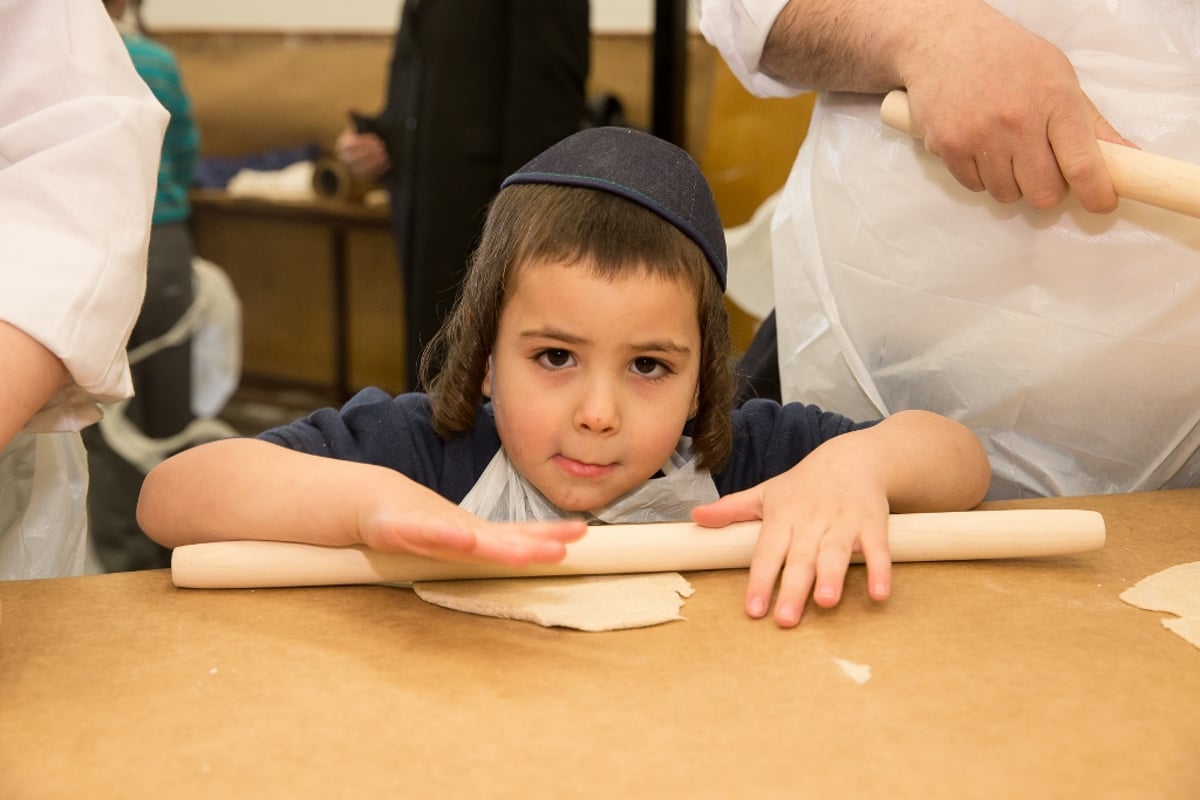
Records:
x=428, y=538
x=512, y=552
x=527, y=543
x=736, y=507
x=795, y=583
x=769, y=554
x=565, y=530
x=878, y=559
x=833, y=558
x=518, y=552
x=472, y=539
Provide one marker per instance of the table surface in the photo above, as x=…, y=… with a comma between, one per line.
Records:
x=1024, y=678
x=321, y=208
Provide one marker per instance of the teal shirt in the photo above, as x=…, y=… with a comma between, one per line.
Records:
x=157, y=67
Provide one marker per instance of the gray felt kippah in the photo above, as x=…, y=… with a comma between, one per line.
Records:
x=645, y=169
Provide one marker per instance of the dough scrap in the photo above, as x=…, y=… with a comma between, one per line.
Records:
x=592, y=603
x=1175, y=590
x=1187, y=627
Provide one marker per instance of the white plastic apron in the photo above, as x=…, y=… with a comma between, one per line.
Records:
x=43, y=506
x=1069, y=341
x=504, y=495
x=214, y=324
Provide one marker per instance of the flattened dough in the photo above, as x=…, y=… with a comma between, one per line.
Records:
x=1175, y=590
x=593, y=603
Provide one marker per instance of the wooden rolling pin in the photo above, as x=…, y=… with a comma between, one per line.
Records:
x=615, y=549
x=1136, y=175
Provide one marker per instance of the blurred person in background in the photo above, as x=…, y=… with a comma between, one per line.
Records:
x=80, y=136
x=476, y=89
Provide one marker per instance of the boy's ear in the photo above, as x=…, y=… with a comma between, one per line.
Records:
x=486, y=388
x=695, y=402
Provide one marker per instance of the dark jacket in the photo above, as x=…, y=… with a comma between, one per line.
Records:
x=477, y=88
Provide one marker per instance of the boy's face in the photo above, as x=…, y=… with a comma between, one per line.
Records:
x=592, y=381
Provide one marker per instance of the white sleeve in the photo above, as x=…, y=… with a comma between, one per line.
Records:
x=738, y=29
x=80, y=138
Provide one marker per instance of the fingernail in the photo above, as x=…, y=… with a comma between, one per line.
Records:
x=788, y=614
x=757, y=607
x=826, y=593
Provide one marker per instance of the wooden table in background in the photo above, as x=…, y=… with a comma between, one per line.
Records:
x=1025, y=678
x=321, y=294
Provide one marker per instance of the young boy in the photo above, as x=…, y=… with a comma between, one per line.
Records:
x=584, y=373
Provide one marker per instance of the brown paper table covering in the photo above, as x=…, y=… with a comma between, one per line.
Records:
x=988, y=679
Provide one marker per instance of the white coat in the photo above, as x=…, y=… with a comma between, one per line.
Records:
x=80, y=136
x=1070, y=342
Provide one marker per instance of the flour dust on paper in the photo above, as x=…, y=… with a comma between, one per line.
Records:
x=859, y=673
x=1175, y=590
x=593, y=603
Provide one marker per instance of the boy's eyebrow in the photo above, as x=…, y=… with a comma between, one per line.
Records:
x=552, y=333
x=654, y=345
x=661, y=346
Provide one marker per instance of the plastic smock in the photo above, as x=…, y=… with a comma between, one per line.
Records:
x=79, y=140
x=1069, y=341
x=213, y=323
x=502, y=494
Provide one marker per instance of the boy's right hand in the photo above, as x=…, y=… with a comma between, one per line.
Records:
x=429, y=525
x=244, y=488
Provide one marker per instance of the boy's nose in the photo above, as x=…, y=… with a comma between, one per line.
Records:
x=598, y=408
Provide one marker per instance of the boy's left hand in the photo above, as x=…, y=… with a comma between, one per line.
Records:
x=815, y=517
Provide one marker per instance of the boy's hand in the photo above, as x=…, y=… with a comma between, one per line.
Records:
x=815, y=517
x=429, y=525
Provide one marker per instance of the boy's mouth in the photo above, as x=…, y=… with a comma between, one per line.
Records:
x=581, y=469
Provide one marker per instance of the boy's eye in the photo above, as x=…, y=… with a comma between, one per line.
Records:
x=649, y=367
x=555, y=359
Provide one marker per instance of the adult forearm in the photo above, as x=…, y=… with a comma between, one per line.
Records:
x=859, y=46
x=31, y=375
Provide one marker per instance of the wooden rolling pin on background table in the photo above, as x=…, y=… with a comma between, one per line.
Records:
x=614, y=549
x=1136, y=175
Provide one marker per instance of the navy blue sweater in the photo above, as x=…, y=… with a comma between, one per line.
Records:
x=397, y=432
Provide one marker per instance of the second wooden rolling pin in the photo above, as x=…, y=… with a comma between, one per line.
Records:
x=616, y=549
x=1136, y=175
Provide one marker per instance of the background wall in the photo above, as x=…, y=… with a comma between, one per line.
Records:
x=320, y=288
x=608, y=16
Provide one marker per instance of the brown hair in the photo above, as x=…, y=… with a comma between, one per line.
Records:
x=528, y=223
